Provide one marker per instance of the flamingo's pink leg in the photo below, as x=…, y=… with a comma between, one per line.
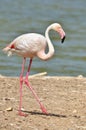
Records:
x=33, y=92
x=21, y=83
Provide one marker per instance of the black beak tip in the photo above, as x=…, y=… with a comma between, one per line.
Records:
x=62, y=40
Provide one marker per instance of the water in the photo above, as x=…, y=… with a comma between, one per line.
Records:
x=23, y=16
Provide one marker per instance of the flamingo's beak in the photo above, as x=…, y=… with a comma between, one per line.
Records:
x=62, y=34
x=62, y=40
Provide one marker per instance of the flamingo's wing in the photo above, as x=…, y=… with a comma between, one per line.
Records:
x=27, y=45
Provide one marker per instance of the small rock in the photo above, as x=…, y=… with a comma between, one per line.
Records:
x=9, y=109
x=75, y=111
x=80, y=76
x=22, y=109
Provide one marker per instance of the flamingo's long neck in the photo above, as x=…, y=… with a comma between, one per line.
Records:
x=50, y=45
x=50, y=53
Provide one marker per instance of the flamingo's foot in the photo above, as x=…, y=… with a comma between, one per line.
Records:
x=20, y=113
x=44, y=110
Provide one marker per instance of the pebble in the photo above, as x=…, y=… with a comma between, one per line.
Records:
x=9, y=109
x=80, y=76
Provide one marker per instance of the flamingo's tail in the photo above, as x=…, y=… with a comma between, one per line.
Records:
x=7, y=50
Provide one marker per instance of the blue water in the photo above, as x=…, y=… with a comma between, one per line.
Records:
x=24, y=16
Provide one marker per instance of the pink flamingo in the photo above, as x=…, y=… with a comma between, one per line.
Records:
x=31, y=45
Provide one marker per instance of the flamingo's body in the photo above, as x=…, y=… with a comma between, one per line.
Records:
x=31, y=45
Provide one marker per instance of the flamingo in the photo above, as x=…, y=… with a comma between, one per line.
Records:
x=31, y=45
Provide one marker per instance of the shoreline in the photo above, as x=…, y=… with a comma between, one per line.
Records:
x=43, y=75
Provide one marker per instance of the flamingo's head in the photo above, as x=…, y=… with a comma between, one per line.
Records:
x=58, y=28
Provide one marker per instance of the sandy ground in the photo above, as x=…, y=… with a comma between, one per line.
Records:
x=63, y=97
